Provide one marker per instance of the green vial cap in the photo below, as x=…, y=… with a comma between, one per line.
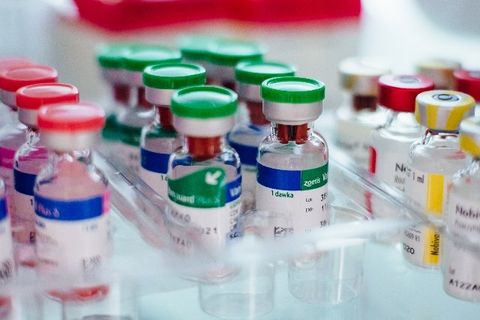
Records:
x=173, y=75
x=204, y=102
x=196, y=47
x=230, y=53
x=293, y=90
x=255, y=72
x=110, y=56
x=142, y=56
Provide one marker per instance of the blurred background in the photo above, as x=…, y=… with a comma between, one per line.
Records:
x=312, y=34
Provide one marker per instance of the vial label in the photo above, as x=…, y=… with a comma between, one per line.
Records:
x=207, y=200
x=131, y=156
x=300, y=194
x=428, y=190
x=73, y=236
x=460, y=265
x=421, y=246
x=24, y=231
x=390, y=167
x=6, y=173
x=153, y=171
x=354, y=138
x=6, y=251
x=248, y=154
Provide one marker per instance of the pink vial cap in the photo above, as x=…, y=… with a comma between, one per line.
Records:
x=37, y=95
x=71, y=117
x=15, y=78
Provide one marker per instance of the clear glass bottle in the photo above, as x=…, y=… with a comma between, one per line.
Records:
x=224, y=55
x=194, y=49
x=12, y=136
x=292, y=168
x=204, y=176
x=72, y=204
x=390, y=144
x=462, y=218
x=140, y=112
x=6, y=64
x=159, y=138
x=433, y=159
x=29, y=159
x=359, y=115
x=246, y=136
x=7, y=265
x=440, y=71
x=468, y=81
x=109, y=58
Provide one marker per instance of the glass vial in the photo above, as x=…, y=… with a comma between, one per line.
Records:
x=159, y=138
x=433, y=159
x=292, y=168
x=29, y=159
x=194, y=49
x=224, y=55
x=12, y=136
x=358, y=115
x=72, y=204
x=462, y=218
x=140, y=112
x=440, y=71
x=204, y=176
x=7, y=265
x=247, y=136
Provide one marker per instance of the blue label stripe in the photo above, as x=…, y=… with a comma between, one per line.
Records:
x=71, y=210
x=3, y=208
x=248, y=154
x=24, y=182
x=233, y=189
x=155, y=162
x=279, y=179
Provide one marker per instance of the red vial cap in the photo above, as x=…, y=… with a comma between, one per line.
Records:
x=398, y=92
x=36, y=95
x=468, y=81
x=15, y=78
x=9, y=63
x=71, y=117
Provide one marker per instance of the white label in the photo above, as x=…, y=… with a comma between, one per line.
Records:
x=392, y=168
x=6, y=251
x=421, y=246
x=156, y=181
x=461, y=276
x=25, y=218
x=130, y=156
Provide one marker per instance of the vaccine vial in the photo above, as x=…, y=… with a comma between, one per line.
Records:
x=440, y=71
x=246, y=136
x=159, y=138
x=359, y=115
x=194, y=49
x=468, y=81
x=462, y=218
x=109, y=58
x=5, y=64
x=7, y=265
x=390, y=144
x=72, y=203
x=224, y=55
x=140, y=112
x=12, y=136
x=204, y=176
x=433, y=159
x=29, y=159
x=292, y=163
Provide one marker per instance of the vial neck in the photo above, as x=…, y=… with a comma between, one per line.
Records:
x=121, y=93
x=256, y=114
x=434, y=134
x=60, y=157
x=360, y=102
x=139, y=100
x=163, y=117
x=399, y=120
x=32, y=136
x=204, y=148
x=291, y=133
x=230, y=84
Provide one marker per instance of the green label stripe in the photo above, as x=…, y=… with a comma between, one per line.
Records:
x=314, y=178
x=129, y=135
x=201, y=189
